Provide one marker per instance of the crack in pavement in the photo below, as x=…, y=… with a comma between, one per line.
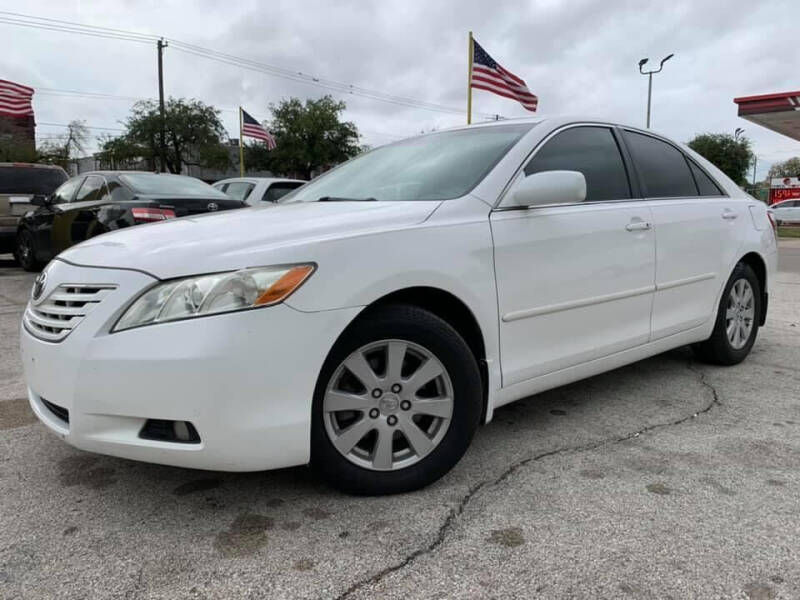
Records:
x=449, y=521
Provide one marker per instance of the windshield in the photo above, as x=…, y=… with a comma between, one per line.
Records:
x=30, y=180
x=439, y=166
x=155, y=183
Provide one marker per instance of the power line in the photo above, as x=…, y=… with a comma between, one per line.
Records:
x=20, y=19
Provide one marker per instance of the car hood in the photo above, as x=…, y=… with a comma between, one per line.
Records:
x=240, y=238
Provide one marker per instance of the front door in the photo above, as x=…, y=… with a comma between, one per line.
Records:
x=574, y=282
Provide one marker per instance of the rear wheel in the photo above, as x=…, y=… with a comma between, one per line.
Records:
x=25, y=251
x=396, y=404
x=736, y=326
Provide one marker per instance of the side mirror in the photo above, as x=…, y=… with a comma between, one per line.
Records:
x=40, y=200
x=550, y=187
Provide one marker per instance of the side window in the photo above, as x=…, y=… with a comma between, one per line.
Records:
x=67, y=189
x=594, y=152
x=239, y=190
x=220, y=186
x=93, y=188
x=278, y=190
x=662, y=167
x=705, y=184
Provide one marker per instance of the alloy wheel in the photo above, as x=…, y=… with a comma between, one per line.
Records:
x=740, y=314
x=388, y=405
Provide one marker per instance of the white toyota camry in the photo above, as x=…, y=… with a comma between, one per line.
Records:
x=372, y=320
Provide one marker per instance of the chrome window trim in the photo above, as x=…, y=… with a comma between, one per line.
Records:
x=531, y=155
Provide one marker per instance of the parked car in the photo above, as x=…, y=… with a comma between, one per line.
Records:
x=19, y=183
x=255, y=190
x=370, y=322
x=103, y=201
x=787, y=211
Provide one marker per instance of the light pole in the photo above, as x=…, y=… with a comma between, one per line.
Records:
x=650, y=80
x=737, y=132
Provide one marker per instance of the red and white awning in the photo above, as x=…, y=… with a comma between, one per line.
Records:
x=778, y=112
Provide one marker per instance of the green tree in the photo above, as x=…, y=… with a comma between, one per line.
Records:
x=787, y=168
x=193, y=131
x=310, y=137
x=732, y=156
x=66, y=147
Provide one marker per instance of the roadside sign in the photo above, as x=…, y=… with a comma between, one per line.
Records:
x=783, y=188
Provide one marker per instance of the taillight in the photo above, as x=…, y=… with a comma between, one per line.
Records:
x=773, y=223
x=149, y=215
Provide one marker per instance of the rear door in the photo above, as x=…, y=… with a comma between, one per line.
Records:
x=574, y=281
x=697, y=233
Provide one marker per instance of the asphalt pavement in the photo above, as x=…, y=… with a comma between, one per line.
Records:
x=664, y=479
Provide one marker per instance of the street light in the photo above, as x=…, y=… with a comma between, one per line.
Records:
x=739, y=131
x=650, y=80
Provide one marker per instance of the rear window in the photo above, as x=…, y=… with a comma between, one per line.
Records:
x=30, y=180
x=278, y=190
x=154, y=183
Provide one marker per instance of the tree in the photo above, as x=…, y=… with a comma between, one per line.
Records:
x=194, y=136
x=787, y=168
x=66, y=147
x=310, y=137
x=733, y=157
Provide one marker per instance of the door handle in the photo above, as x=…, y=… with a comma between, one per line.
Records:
x=729, y=215
x=638, y=226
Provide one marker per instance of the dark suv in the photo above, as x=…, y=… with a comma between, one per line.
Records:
x=19, y=183
x=102, y=201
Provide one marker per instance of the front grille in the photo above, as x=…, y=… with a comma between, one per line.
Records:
x=58, y=411
x=63, y=310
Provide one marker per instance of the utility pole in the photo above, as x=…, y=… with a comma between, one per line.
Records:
x=161, y=44
x=650, y=81
x=755, y=162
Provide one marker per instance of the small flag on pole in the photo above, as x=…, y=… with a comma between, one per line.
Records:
x=254, y=129
x=487, y=74
x=15, y=99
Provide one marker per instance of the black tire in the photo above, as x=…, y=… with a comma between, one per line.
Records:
x=718, y=349
x=421, y=327
x=25, y=251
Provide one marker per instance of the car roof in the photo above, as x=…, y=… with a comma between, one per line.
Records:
x=33, y=165
x=259, y=179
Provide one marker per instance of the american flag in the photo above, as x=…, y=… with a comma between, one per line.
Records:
x=15, y=99
x=490, y=76
x=252, y=128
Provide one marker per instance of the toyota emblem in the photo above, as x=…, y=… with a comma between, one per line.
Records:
x=212, y=206
x=38, y=285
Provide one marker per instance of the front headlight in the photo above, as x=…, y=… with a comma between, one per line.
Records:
x=213, y=294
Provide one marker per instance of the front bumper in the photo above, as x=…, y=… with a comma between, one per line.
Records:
x=245, y=380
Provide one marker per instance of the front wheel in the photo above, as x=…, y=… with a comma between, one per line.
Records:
x=736, y=326
x=396, y=403
x=25, y=251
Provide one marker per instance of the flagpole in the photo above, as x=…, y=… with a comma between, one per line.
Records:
x=241, y=147
x=471, y=52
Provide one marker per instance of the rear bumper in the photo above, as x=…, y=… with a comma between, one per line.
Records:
x=8, y=235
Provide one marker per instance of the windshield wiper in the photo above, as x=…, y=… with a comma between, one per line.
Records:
x=341, y=199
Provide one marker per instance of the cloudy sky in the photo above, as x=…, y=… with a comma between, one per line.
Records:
x=578, y=56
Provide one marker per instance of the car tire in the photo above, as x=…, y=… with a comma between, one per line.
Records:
x=25, y=251
x=737, y=322
x=419, y=338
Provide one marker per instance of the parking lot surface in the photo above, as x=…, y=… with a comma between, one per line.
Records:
x=663, y=479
